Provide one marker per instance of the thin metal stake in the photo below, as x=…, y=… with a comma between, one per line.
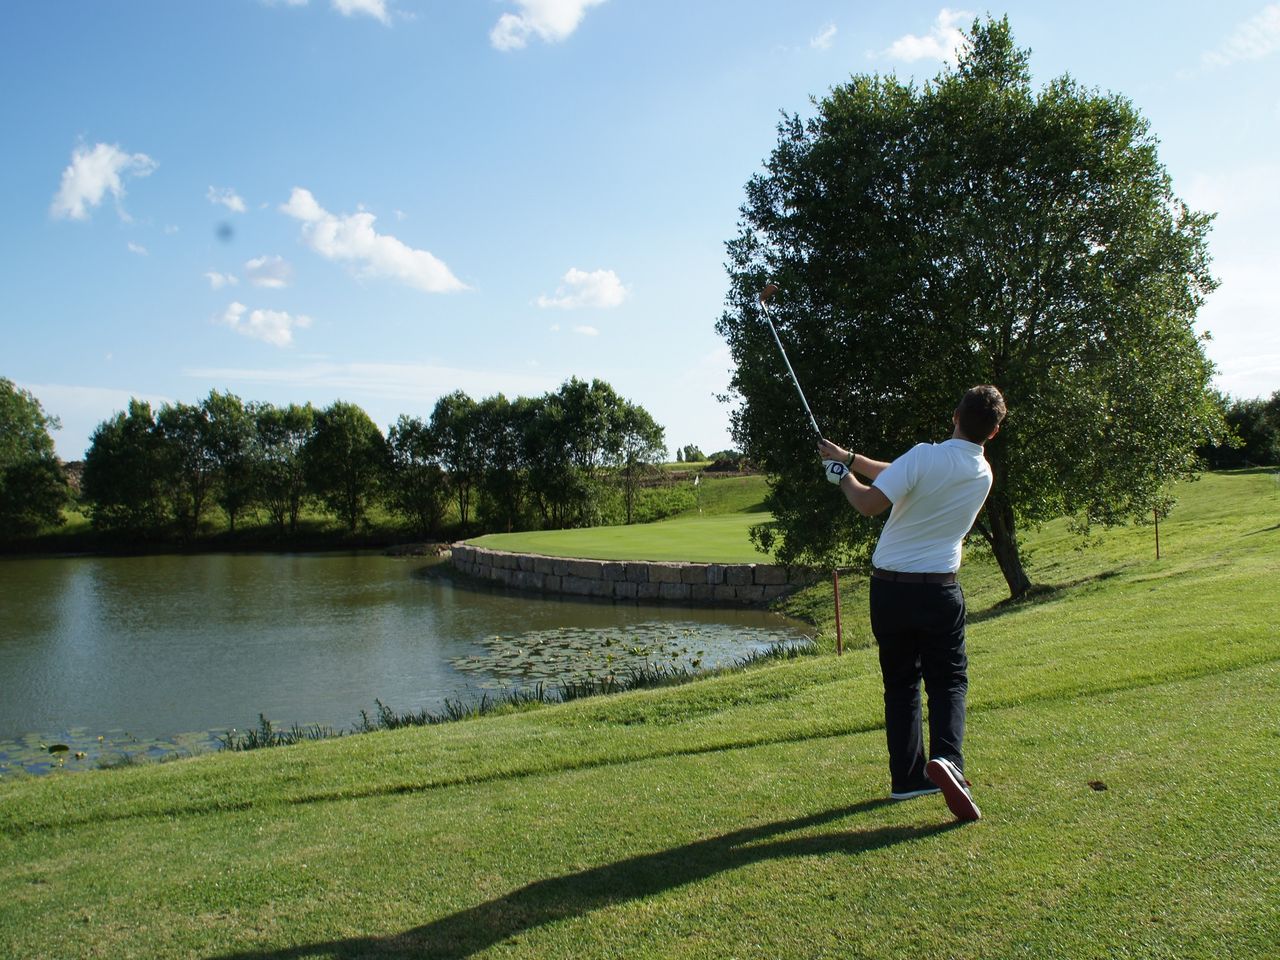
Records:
x=835, y=582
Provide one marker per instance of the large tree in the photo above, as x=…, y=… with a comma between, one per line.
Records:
x=125, y=473
x=281, y=479
x=33, y=486
x=190, y=466
x=455, y=425
x=233, y=443
x=417, y=488
x=641, y=445
x=974, y=230
x=346, y=461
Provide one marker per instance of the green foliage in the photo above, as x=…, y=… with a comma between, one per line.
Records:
x=124, y=474
x=455, y=425
x=1254, y=438
x=33, y=486
x=576, y=457
x=417, y=487
x=280, y=480
x=972, y=231
x=346, y=461
x=232, y=437
x=189, y=466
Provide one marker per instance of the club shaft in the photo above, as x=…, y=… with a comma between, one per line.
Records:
x=794, y=379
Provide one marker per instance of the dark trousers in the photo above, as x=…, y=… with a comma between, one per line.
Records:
x=919, y=628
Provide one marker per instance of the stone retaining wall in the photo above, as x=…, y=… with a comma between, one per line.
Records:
x=719, y=583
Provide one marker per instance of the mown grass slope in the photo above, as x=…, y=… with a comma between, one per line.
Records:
x=1122, y=739
x=714, y=531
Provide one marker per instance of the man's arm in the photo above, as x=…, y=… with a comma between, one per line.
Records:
x=863, y=466
x=868, y=501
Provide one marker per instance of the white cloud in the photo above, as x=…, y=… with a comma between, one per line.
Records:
x=1255, y=38
x=586, y=331
x=944, y=42
x=351, y=238
x=219, y=280
x=227, y=197
x=93, y=173
x=600, y=288
x=549, y=20
x=273, y=271
x=824, y=38
x=137, y=248
x=273, y=326
x=369, y=8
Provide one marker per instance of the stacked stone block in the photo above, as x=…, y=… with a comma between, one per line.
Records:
x=687, y=583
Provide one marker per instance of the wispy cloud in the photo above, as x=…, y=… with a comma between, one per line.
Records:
x=549, y=20
x=219, y=280
x=93, y=173
x=352, y=238
x=227, y=197
x=586, y=331
x=826, y=36
x=273, y=271
x=423, y=382
x=137, y=248
x=1254, y=39
x=369, y=8
x=599, y=288
x=943, y=42
x=272, y=326
x=348, y=8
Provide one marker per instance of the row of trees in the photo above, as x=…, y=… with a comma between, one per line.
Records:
x=550, y=461
x=1254, y=438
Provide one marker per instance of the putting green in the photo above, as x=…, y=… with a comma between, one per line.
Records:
x=723, y=538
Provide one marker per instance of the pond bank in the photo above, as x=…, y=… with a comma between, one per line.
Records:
x=739, y=584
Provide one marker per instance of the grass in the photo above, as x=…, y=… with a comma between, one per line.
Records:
x=713, y=532
x=1122, y=736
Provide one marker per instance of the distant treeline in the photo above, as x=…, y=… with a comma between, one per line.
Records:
x=575, y=457
x=1254, y=438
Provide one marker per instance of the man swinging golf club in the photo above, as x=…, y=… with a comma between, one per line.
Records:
x=917, y=608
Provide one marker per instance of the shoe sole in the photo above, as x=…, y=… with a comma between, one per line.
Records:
x=912, y=794
x=958, y=800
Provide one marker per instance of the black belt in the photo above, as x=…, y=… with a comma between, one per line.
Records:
x=913, y=577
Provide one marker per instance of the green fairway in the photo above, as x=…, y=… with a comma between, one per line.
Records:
x=1122, y=741
x=715, y=532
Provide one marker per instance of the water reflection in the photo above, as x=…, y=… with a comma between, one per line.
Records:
x=139, y=650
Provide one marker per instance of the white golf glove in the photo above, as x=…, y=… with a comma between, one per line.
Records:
x=835, y=470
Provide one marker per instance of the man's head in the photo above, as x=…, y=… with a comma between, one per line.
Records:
x=981, y=410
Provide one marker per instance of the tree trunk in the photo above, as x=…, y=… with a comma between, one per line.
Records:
x=1004, y=544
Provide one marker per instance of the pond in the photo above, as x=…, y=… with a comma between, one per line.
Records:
x=121, y=657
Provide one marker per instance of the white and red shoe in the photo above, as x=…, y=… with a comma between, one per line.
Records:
x=955, y=788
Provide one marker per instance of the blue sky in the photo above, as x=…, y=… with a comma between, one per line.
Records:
x=387, y=200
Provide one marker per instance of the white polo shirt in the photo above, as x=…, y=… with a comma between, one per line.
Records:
x=936, y=490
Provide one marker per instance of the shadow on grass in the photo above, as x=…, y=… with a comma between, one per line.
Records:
x=1040, y=593
x=471, y=931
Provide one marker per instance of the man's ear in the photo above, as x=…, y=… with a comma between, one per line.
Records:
x=995, y=431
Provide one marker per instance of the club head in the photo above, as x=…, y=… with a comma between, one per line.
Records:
x=768, y=292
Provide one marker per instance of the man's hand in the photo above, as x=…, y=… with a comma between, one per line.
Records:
x=829, y=451
x=835, y=470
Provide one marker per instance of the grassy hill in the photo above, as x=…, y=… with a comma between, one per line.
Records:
x=1123, y=737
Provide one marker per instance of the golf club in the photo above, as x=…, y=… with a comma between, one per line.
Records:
x=769, y=290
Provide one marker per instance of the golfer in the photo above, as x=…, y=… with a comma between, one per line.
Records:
x=935, y=491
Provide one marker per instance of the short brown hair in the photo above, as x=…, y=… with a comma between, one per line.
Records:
x=981, y=410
